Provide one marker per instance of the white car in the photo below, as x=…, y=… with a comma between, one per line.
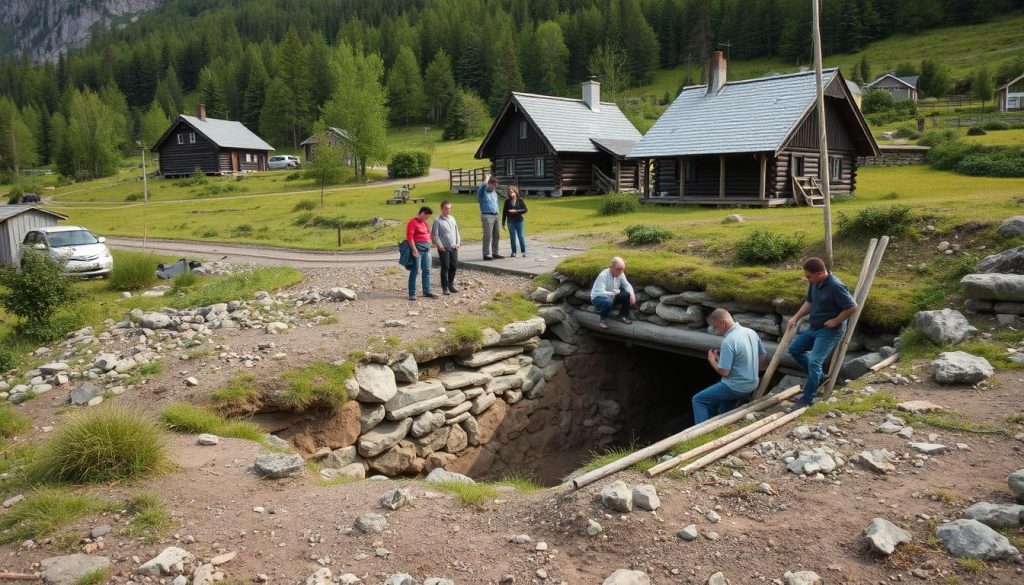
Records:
x=83, y=252
x=283, y=161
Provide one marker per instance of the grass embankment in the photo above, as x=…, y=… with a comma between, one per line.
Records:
x=466, y=331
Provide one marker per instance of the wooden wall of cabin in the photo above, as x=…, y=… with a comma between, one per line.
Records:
x=837, y=128
x=510, y=138
x=742, y=176
x=666, y=178
x=524, y=168
x=183, y=159
x=779, y=169
x=575, y=170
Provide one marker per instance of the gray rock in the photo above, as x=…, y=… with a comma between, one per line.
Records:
x=442, y=476
x=416, y=399
x=68, y=569
x=627, y=577
x=376, y=383
x=689, y=532
x=996, y=515
x=208, y=440
x=426, y=423
x=350, y=471
x=994, y=287
x=617, y=496
x=472, y=429
x=1008, y=262
x=520, y=331
x=563, y=349
x=691, y=315
x=878, y=460
x=860, y=365
x=958, y=367
x=84, y=392
x=279, y=465
x=646, y=497
x=918, y=406
x=322, y=576
x=406, y=370
x=1003, y=308
x=883, y=536
x=733, y=218
x=488, y=356
x=928, y=448
x=543, y=354
x=395, y=461
x=52, y=368
x=456, y=379
x=457, y=438
x=717, y=579
x=339, y=293
x=370, y=415
x=371, y=523
x=802, y=578
x=1012, y=227
x=811, y=462
x=206, y=574
x=438, y=581
x=383, y=437
x=501, y=384
x=101, y=530
x=567, y=331
x=972, y=539
x=395, y=499
x=765, y=323
x=339, y=458
x=400, y=579
x=154, y=321
x=945, y=326
x=482, y=403
x=1016, y=483
x=551, y=315
x=170, y=561
x=977, y=306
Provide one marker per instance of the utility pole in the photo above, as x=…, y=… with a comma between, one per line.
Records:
x=823, y=162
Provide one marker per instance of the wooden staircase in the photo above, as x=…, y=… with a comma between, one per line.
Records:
x=603, y=182
x=807, y=191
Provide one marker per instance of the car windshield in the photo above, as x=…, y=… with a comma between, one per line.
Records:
x=71, y=238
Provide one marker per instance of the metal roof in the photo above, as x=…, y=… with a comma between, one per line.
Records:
x=336, y=131
x=615, y=147
x=908, y=80
x=227, y=133
x=754, y=115
x=9, y=211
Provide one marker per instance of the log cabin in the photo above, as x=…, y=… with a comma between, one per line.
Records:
x=753, y=142
x=216, y=147
x=553, y=145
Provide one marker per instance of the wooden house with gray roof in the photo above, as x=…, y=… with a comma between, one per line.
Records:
x=216, y=147
x=554, y=145
x=753, y=142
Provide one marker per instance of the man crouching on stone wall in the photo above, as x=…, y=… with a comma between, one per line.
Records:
x=611, y=288
x=738, y=362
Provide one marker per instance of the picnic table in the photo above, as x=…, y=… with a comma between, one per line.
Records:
x=403, y=195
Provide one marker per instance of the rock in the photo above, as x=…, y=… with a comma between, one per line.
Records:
x=802, y=578
x=543, y=354
x=993, y=287
x=811, y=462
x=918, y=406
x=154, y=321
x=206, y=574
x=370, y=415
x=348, y=579
x=482, y=403
x=1008, y=262
x=171, y=561
x=395, y=461
x=1016, y=483
x=563, y=349
x=458, y=440
x=276, y=327
x=733, y=218
x=371, y=523
x=376, y=383
x=878, y=460
x=501, y=384
x=340, y=293
x=617, y=496
x=1011, y=227
x=593, y=527
x=996, y=515
x=859, y=366
x=279, y=465
x=972, y=539
x=416, y=399
x=551, y=315
x=889, y=428
x=395, y=499
x=717, y=579
x=426, y=423
x=101, y=530
x=69, y=569
x=488, y=356
x=627, y=577
x=400, y=579
x=946, y=326
x=322, y=576
x=349, y=471
x=520, y=331
x=959, y=367
x=83, y=392
x=52, y=368
x=689, y=532
x=439, y=475
x=568, y=330
x=540, y=294
x=645, y=497
x=928, y=448
x=462, y=379
x=207, y=440
x=406, y=370
x=765, y=323
x=472, y=429
x=383, y=437
x=191, y=381
x=883, y=536
x=691, y=315
x=223, y=559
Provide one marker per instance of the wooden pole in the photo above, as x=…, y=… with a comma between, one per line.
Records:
x=741, y=442
x=766, y=377
x=682, y=178
x=823, y=167
x=721, y=176
x=885, y=363
x=762, y=176
x=19, y=577
x=669, y=442
x=710, y=446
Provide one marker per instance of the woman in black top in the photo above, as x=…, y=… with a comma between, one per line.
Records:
x=512, y=214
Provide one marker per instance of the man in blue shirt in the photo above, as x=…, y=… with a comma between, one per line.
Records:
x=828, y=304
x=487, y=197
x=738, y=362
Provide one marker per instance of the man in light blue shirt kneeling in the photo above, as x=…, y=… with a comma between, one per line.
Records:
x=738, y=362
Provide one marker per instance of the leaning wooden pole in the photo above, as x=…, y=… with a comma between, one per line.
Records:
x=823, y=162
x=669, y=442
x=741, y=442
x=766, y=377
x=710, y=446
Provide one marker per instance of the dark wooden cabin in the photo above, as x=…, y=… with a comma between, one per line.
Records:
x=754, y=142
x=217, y=147
x=335, y=137
x=553, y=145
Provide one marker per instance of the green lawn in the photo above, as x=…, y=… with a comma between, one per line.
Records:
x=447, y=154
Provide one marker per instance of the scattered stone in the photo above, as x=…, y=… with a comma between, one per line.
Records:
x=442, y=476
x=617, y=496
x=972, y=539
x=279, y=465
x=154, y=321
x=395, y=499
x=223, y=559
x=878, y=460
x=959, y=367
x=593, y=527
x=100, y=531
x=69, y=569
x=713, y=517
x=84, y=392
x=689, y=532
x=406, y=370
x=802, y=578
x=733, y=218
x=170, y=561
x=206, y=439
x=1016, y=483
x=400, y=579
x=645, y=497
x=322, y=576
x=191, y=381
x=206, y=575
x=627, y=577
x=717, y=579
x=918, y=406
x=350, y=471
x=541, y=546
x=1012, y=227
x=1008, y=262
x=371, y=522
x=883, y=536
x=996, y=515
x=811, y=462
x=928, y=448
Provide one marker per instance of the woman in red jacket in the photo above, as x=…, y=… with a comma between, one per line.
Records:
x=417, y=233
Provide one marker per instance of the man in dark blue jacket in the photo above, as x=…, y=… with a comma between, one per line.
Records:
x=487, y=197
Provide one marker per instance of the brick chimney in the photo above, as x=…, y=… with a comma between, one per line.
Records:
x=592, y=94
x=202, y=112
x=716, y=78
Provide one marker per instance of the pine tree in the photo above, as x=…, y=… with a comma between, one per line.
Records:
x=153, y=124
x=865, y=69
x=293, y=71
x=274, y=127
x=438, y=85
x=935, y=80
x=639, y=42
x=252, y=99
x=211, y=92
x=405, y=88
x=552, y=59
x=467, y=116
x=506, y=76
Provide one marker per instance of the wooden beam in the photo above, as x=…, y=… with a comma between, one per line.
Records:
x=682, y=177
x=721, y=176
x=763, y=176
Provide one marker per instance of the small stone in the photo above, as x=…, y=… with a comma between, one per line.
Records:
x=170, y=561
x=689, y=532
x=207, y=439
x=717, y=579
x=69, y=569
x=371, y=523
x=99, y=531
x=223, y=559
x=395, y=499
x=713, y=517
x=645, y=497
x=191, y=381
x=802, y=578
x=593, y=528
x=883, y=536
x=279, y=465
x=617, y=497
x=541, y=546
x=627, y=577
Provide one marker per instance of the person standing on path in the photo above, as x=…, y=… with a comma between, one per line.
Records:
x=611, y=288
x=829, y=303
x=512, y=213
x=487, y=197
x=738, y=362
x=417, y=233
x=445, y=234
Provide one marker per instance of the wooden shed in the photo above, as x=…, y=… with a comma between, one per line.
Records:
x=900, y=87
x=555, y=145
x=335, y=137
x=1010, y=97
x=217, y=147
x=753, y=142
x=15, y=222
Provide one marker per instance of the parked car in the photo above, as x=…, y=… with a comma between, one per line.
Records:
x=84, y=253
x=30, y=198
x=284, y=161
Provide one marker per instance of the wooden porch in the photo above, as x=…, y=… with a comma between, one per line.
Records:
x=718, y=201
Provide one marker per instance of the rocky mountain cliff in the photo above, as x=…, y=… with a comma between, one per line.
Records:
x=44, y=28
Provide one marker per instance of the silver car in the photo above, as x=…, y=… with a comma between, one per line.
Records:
x=84, y=253
x=283, y=161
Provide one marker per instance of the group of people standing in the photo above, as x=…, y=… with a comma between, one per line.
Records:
x=444, y=234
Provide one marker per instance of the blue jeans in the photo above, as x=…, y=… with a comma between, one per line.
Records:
x=515, y=230
x=810, y=349
x=714, y=400
x=422, y=264
x=604, y=304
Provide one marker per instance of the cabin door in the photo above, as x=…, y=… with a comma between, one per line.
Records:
x=234, y=161
x=797, y=165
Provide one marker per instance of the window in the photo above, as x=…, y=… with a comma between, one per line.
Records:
x=538, y=167
x=191, y=137
x=181, y=139
x=522, y=131
x=691, y=171
x=510, y=167
x=836, y=171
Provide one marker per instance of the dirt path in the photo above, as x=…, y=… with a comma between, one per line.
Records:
x=248, y=254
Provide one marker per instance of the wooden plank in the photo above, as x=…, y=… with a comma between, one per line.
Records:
x=721, y=176
x=682, y=177
x=710, y=446
x=742, y=442
x=763, y=176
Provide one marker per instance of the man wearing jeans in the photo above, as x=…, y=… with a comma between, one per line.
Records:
x=487, y=197
x=828, y=304
x=446, y=236
x=611, y=288
x=738, y=362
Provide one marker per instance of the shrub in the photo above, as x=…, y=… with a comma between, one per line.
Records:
x=976, y=131
x=618, y=204
x=946, y=155
x=875, y=101
x=242, y=231
x=35, y=293
x=907, y=132
x=293, y=176
x=877, y=221
x=643, y=234
x=995, y=125
x=133, y=271
x=304, y=205
x=12, y=422
x=8, y=359
x=14, y=195
x=1008, y=162
x=763, y=246
x=936, y=136
x=184, y=281
x=111, y=443
x=409, y=163
x=133, y=197
x=43, y=512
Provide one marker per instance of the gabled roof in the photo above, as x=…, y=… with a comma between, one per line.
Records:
x=343, y=134
x=614, y=147
x=753, y=115
x=566, y=124
x=907, y=80
x=1011, y=82
x=9, y=211
x=222, y=133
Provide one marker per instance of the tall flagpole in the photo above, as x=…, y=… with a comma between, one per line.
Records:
x=823, y=162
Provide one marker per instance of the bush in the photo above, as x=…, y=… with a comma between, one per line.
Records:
x=1008, y=162
x=976, y=131
x=946, y=155
x=907, y=132
x=875, y=101
x=618, y=204
x=642, y=234
x=293, y=176
x=409, y=163
x=879, y=220
x=995, y=125
x=35, y=293
x=12, y=422
x=184, y=281
x=94, y=446
x=935, y=137
x=14, y=195
x=242, y=231
x=8, y=359
x=43, y=512
x=763, y=246
x=133, y=197
x=133, y=271
x=304, y=205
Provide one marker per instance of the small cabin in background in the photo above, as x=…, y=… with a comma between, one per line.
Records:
x=900, y=87
x=217, y=147
x=335, y=137
x=1010, y=97
x=753, y=142
x=554, y=145
x=15, y=222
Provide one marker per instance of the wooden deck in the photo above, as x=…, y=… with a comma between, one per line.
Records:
x=719, y=201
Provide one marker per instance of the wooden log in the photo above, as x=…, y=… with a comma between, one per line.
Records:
x=742, y=442
x=766, y=377
x=669, y=442
x=709, y=446
x=885, y=363
x=19, y=577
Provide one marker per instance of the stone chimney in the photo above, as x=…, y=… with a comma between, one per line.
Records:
x=592, y=94
x=716, y=77
x=202, y=112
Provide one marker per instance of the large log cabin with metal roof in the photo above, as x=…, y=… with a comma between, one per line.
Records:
x=754, y=142
x=215, y=147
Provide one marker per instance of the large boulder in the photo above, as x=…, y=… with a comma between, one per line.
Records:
x=860, y=365
x=1012, y=227
x=691, y=315
x=520, y=331
x=278, y=465
x=883, y=536
x=383, y=437
x=1007, y=262
x=946, y=326
x=960, y=367
x=617, y=496
x=376, y=383
x=996, y=515
x=994, y=287
x=69, y=569
x=416, y=399
x=972, y=539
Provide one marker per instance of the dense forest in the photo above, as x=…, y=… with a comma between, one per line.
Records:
x=281, y=66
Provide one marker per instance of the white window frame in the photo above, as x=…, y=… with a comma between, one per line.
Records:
x=522, y=130
x=191, y=137
x=510, y=167
x=181, y=139
x=836, y=170
x=538, y=166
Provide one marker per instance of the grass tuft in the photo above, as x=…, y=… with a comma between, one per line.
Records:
x=523, y=483
x=44, y=512
x=853, y=404
x=184, y=282
x=94, y=577
x=320, y=383
x=151, y=369
x=469, y=494
x=971, y=565
x=239, y=394
x=182, y=417
x=12, y=422
x=238, y=286
x=150, y=518
x=133, y=271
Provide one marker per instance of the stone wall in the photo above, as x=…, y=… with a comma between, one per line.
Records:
x=895, y=156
